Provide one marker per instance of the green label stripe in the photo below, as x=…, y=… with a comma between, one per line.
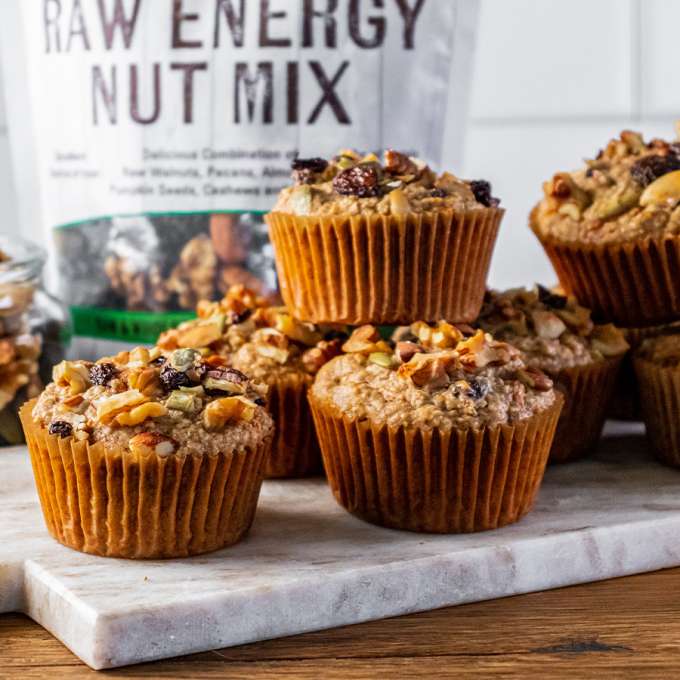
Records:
x=118, y=324
x=175, y=213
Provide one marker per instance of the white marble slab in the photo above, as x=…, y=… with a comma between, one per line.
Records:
x=307, y=565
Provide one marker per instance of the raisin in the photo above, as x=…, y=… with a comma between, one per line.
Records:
x=61, y=427
x=547, y=297
x=239, y=317
x=313, y=164
x=438, y=193
x=158, y=361
x=650, y=168
x=173, y=379
x=101, y=374
x=260, y=401
x=478, y=389
x=589, y=172
x=482, y=191
x=361, y=181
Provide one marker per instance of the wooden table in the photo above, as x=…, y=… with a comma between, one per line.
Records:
x=628, y=627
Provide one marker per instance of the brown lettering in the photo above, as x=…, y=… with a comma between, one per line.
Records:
x=118, y=20
x=292, y=91
x=378, y=23
x=264, y=74
x=134, y=96
x=410, y=15
x=235, y=21
x=309, y=13
x=178, y=17
x=328, y=93
x=265, y=17
x=108, y=94
x=188, y=86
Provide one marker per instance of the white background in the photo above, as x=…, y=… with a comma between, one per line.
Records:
x=553, y=81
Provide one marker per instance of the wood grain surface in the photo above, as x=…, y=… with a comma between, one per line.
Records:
x=628, y=627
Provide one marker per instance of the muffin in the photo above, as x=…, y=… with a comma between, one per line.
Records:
x=441, y=433
x=277, y=350
x=625, y=402
x=612, y=231
x=556, y=335
x=146, y=456
x=359, y=241
x=657, y=367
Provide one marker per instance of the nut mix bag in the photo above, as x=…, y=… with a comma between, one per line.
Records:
x=149, y=137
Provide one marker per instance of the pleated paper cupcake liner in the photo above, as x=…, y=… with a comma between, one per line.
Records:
x=118, y=504
x=660, y=402
x=630, y=284
x=384, y=269
x=295, y=450
x=587, y=393
x=625, y=401
x=435, y=480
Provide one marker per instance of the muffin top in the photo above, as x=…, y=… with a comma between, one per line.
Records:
x=351, y=184
x=264, y=341
x=552, y=331
x=630, y=191
x=183, y=403
x=663, y=350
x=433, y=377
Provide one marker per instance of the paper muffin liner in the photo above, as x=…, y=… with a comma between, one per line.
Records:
x=384, y=269
x=631, y=284
x=117, y=504
x=660, y=403
x=625, y=401
x=587, y=393
x=439, y=481
x=295, y=450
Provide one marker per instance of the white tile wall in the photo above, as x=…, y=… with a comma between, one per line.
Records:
x=553, y=81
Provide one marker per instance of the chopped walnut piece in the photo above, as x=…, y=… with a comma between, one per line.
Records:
x=139, y=414
x=72, y=375
x=429, y=369
x=399, y=164
x=201, y=333
x=406, y=350
x=365, y=340
x=110, y=406
x=221, y=411
x=535, y=379
x=609, y=340
x=547, y=324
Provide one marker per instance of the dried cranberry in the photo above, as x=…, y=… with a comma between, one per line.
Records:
x=173, y=379
x=61, y=427
x=438, y=193
x=547, y=297
x=482, y=191
x=650, y=168
x=101, y=374
x=313, y=164
x=478, y=389
x=361, y=181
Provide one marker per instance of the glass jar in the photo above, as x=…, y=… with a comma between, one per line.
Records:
x=35, y=330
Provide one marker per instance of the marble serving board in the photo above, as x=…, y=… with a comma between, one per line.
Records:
x=308, y=565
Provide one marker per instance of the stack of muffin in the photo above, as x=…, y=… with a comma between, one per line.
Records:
x=441, y=427
x=612, y=232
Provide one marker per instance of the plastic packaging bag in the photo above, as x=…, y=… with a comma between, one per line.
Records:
x=150, y=136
